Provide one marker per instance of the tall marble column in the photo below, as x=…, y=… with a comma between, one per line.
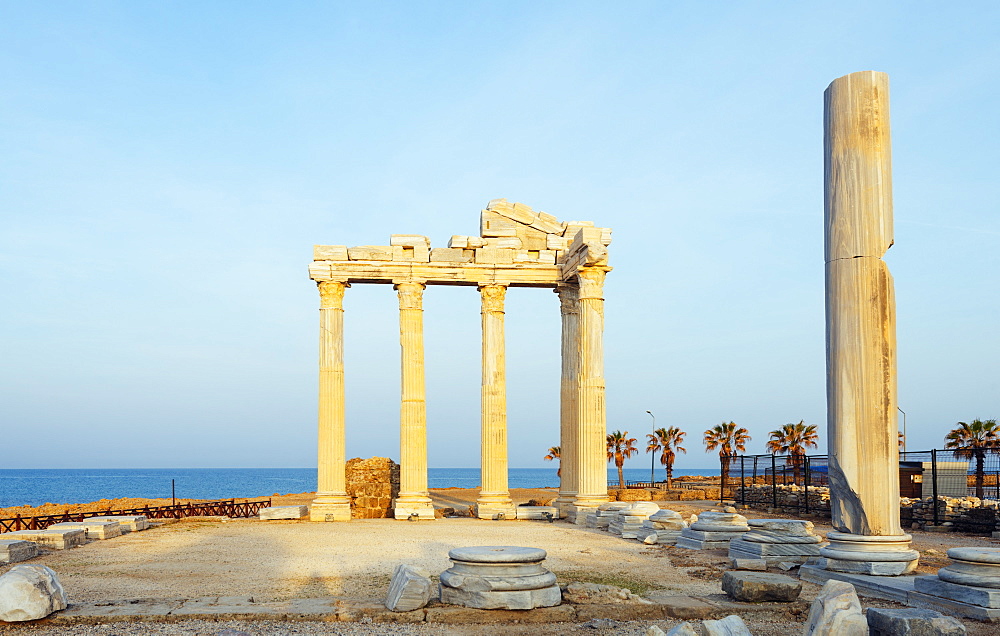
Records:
x=494, y=497
x=413, y=497
x=861, y=332
x=331, y=502
x=591, y=427
x=569, y=299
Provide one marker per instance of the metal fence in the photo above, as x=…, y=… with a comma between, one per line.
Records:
x=939, y=489
x=222, y=508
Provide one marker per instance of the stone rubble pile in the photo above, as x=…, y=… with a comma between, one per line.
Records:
x=662, y=528
x=628, y=522
x=713, y=531
x=777, y=541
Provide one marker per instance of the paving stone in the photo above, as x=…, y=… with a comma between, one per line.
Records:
x=621, y=612
x=467, y=615
x=594, y=593
x=30, y=592
x=758, y=587
x=836, y=612
x=410, y=589
x=912, y=622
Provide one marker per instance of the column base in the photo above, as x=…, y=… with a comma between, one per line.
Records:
x=877, y=556
x=323, y=509
x=413, y=508
x=495, y=510
x=563, y=502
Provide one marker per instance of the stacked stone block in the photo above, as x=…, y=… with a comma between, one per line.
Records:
x=372, y=484
x=628, y=522
x=601, y=518
x=662, y=528
x=777, y=541
x=712, y=531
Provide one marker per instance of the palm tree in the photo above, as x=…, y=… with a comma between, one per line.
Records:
x=793, y=440
x=555, y=452
x=666, y=440
x=975, y=440
x=729, y=439
x=620, y=448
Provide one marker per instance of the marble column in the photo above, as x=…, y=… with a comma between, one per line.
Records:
x=591, y=427
x=569, y=299
x=413, y=497
x=331, y=502
x=861, y=332
x=494, y=498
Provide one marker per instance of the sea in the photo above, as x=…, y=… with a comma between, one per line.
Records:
x=34, y=487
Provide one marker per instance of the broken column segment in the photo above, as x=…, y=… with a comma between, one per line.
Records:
x=861, y=332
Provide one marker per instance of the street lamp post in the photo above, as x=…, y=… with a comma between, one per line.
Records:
x=652, y=460
x=904, y=428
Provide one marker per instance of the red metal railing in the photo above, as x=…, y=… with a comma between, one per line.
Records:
x=222, y=508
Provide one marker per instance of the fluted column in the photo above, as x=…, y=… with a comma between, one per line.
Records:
x=591, y=429
x=494, y=498
x=569, y=299
x=413, y=497
x=331, y=502
x=861, y=332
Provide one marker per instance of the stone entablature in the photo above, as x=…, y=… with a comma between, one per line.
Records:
x=517, y=247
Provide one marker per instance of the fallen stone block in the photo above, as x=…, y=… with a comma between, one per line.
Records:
x=912, y=622
x=759, y=587
x=410, y=589
x=731, y=625
x=684, y=629
x=543, y=513
x=128, y=523
x=49, y=538
x=13, y=551
x=836, y=612
x=283, y=512
x=653, y=630
x=756, y=565
x=95, y=529
x=30, y=592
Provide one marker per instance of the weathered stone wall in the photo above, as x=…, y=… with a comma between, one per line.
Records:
x=372, y=484
x=656, y=494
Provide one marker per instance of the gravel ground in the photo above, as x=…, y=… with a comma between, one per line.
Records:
x=279, y=560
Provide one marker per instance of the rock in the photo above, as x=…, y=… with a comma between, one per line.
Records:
x=593, y=593
x=684, y=629
x=757, y=587
x=284, y=512
x=836, y=612
x=731, y=625
x=410, y=589
x=788, y=565
x=650, y=539
x=757, y=565
x=29, y=592
x=653, y=630
x=912, y=622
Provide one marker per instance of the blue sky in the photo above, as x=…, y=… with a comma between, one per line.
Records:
x=167, y=167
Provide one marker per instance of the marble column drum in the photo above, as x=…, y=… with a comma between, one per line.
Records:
x=861, y=332
x=972, y=578
x=413, y=498
x=499, y=577
x=569, y=301
x=494, y=500
x=332, y=502
x=777, y=541
x=591, y=420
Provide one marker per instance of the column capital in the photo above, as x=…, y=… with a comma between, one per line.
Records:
x=411, y=294
x=331, y=293
x=569, y=298
x=493, y=295
x=591, y=282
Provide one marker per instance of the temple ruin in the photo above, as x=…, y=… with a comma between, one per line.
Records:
x=516, y=247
